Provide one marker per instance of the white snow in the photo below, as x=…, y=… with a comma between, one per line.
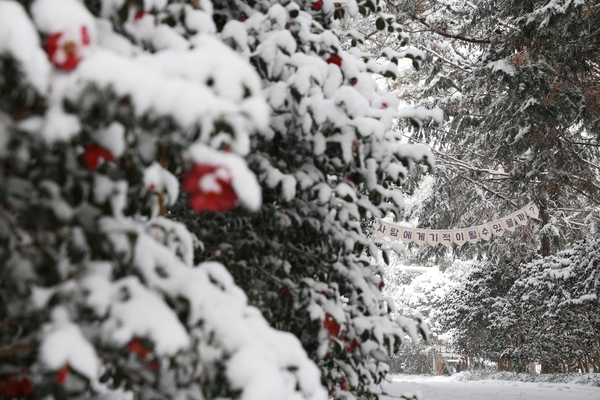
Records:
x=139, y=312
x=502, y=65
x=55, y=16
x=450, y=388
x=163, y=91
x=422, y=113
x=19, y=38
x=112, y=138
x=64, y=344
x=158, y=179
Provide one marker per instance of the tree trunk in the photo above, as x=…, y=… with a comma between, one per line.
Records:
x=545, y=217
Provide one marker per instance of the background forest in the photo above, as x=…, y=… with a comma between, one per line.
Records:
x=519, y=83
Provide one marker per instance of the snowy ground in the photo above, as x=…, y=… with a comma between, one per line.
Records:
x=447, y=388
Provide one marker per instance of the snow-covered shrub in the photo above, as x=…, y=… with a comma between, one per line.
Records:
x=154, y=156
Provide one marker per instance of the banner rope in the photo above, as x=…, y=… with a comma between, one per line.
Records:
x=448, y=237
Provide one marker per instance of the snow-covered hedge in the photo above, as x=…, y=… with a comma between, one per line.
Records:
x=180, y=182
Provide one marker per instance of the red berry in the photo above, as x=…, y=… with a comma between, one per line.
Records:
x=335, y=59
x=353, y=81
x=384, y=106
x=317, y=5
x=381, y=285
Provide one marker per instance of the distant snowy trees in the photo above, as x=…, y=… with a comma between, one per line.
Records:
x=183, y=184
x=545, y=311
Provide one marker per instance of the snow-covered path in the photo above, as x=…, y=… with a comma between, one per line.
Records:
x=445, y=388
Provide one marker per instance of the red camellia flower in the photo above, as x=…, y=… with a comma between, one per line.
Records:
x=331, y=325
x=15, y=386
x=317, y=5
x=210, y=188
x=66, y=49
x=94, y=155
x=62, y=375
x=335, y=59
x=136, y=346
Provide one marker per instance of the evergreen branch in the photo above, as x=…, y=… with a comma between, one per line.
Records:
x=577, y=210
x=583, y=143
x=445, y=59
x=451, y=36
x=576, y=188
x=489, y=190
x=591, y=163
x=457, y=162
x=591, y=35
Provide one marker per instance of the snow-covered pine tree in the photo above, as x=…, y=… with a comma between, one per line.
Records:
x=247, y=121
x=556, y=299
x=476, y=312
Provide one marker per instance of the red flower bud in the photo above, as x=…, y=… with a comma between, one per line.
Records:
x=344, y=384
x=136, y=346
x=335, y=59
x=331, y=325
x=62, y=375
